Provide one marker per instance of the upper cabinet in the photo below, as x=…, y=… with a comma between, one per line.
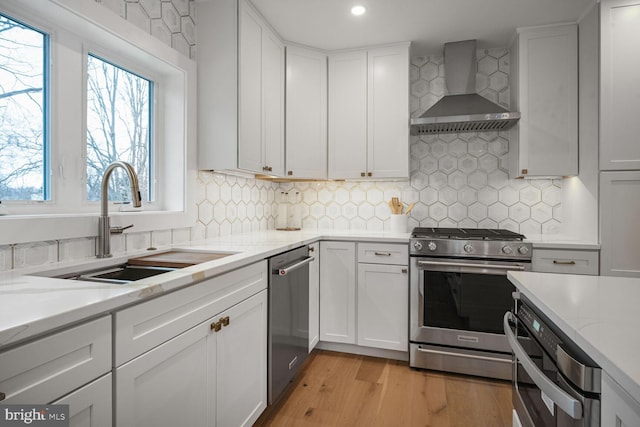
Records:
x=619, y=88
x=241, y=90
x=544, y=88
x=306, y=113
x=369, y=113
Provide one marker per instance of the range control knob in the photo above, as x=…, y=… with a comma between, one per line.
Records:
x=418, y=246
x=432, y=246
x=523, y=250
x=468, y=248
x=507, y=250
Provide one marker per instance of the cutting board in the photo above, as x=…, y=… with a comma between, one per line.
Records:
x=176, y=259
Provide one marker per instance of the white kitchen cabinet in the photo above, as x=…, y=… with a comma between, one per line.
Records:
x=338, y=292
x=213, y=374
x=383, y=295
x=48, y=368
x=241, y=90
x=306, y=113
x=90, y=406
x=369, y=113
x=544, y=89
x=383, y=306
x=565, y=261
x=618, y=408
x=619, y=89
x=619, y=213
x=314, y=296
x=176, y=352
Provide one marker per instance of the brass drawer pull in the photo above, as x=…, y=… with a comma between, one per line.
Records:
x=560, y=262
x=225, y=321
x=3, y=396
x=216, y=326
x=382, y=253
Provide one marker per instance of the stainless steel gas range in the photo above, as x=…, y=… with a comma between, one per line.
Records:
x=459, y=293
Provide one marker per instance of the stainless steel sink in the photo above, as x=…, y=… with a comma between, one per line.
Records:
x=121, y=274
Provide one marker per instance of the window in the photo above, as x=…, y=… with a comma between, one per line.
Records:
x=23, y=112
x=79, y=120
x=118, y=128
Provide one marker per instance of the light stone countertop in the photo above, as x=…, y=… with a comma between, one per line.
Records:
x=599, y=313
x=33, y=304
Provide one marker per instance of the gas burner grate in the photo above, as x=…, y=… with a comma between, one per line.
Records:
x=466, y=233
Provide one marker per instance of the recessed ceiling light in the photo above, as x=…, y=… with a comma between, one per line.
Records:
x=358, y=10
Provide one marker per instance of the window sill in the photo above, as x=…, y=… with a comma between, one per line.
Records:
x=37, y=228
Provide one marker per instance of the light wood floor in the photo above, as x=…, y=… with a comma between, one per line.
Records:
x=337, y=389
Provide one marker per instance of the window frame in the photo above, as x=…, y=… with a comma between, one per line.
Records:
x=98, y=30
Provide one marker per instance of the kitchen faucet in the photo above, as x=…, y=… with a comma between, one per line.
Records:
x=104, y=227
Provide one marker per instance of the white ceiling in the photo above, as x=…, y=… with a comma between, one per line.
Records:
x=328, y=24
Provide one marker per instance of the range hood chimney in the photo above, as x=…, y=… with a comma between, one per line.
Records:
x=462, y=110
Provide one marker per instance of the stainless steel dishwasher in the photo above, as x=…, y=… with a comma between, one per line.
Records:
x=288, y=318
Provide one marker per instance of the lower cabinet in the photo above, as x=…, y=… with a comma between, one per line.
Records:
x=338, y=292
x=618, y=408
x=314, y=296
x=565, y=261
x=68, y=367
x=383, y=306
x=90, y=406
x=212, y=374
x=364, y=303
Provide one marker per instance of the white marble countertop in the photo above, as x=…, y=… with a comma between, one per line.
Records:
x=559, y=241
x=599, y=313
x=33, y=304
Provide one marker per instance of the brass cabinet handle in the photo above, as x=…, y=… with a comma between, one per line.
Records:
x=369, y=173
x=2, y=396
x=216, y=326
x=267, y=168
x=290, y=173
x=404, y=270
x=382, y=253
x=312, y=249
x=362, y=174
x=224, y=321
x=559, y=262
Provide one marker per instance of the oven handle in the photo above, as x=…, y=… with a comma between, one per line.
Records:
x=424, y=264
x=566, y=402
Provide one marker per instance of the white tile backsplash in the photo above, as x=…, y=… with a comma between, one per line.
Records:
x=35, y=254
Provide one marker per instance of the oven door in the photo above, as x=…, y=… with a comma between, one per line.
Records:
x=460, y=303
x=541, y=394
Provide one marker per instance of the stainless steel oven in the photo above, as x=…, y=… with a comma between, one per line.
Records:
x=554, y=382
x=459, y=292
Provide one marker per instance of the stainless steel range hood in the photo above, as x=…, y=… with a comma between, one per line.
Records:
x=462, y=110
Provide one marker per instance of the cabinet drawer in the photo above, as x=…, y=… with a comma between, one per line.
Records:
x=383, y=253
x=48, y=368
x=145, y=326
x=565, y=261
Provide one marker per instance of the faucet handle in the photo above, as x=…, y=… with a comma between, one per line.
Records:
x=119, y=230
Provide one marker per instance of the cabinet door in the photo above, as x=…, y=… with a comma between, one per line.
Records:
x=170, y=385
x=619, y=88
x=241, y=363
x=619, y=213
x=347, y=115
x=548, y=102
x=383, y=306
x=388, y=113
x=272, y=103
x=618, y=407
x=90, y=406
x=306, y=124
x=314, y=296
x=338, y=292
x=250, y=154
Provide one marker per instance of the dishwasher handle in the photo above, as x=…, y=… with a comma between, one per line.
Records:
x=283, y=271
x=566, y=402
